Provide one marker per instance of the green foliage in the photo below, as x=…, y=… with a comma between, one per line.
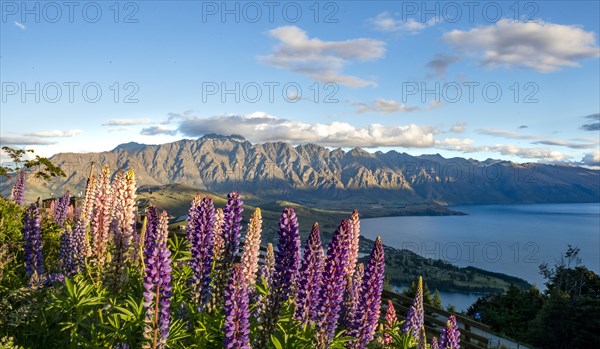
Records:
x=43, y=167
x=566, y=315
x=11, y=224
x=507, y=313
x=11, y=246
x=398, y=338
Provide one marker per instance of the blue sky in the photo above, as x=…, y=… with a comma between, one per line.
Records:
x=507, y=80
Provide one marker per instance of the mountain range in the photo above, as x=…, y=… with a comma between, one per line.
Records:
x=335, y=178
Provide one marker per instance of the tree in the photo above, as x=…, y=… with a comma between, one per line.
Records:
x=437, y=300
x=566, y=315
x=46, y=170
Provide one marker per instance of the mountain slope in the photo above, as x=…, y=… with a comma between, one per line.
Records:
x=313, y=174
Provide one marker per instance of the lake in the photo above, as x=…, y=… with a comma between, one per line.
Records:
x=510, y=239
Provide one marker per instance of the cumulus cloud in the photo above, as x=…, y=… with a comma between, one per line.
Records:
x=592, y=159
x=385, y=22
x=157, y=130
x=127, y=122
x=440, y=63
x=594, y=126
x=54, y=133
x=11, y=141
x=321, y=60
x=20, y=25
x=544, y=47
x=262, y=127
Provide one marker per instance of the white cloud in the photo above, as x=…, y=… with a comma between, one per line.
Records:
x=592, y=159
x=496, y=132
x=157, y=130
x=119, y=129
x=565, y=144
x=543, y=154
x=12, y=141
x=466, y=145
x=321, y=60
x=385, y=106
x=385, y=22
x=54, y=133
x=458, y=127
x=262, y=127
x=544, y=47
x=440, y=63
x=20, y=25
x=127, y=122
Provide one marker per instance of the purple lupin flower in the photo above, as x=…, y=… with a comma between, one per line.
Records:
x=268, y=269
x=434, y=343
x=62, y=209
x=237, y=313
x=266, y=275
x=349, y=305
x=369, y=302
x=333, y=285
x=219, y=244
x=80, y=243
x=353, y=242
x=55, y=278
x=18, y=191
x=450, y=336
x=287, y=257
x=231, y=239
x=102, y=217
x=192, y=215
x=415, y=319
x=157, y=280
x=408, y=325
x=351, y=296
x=67, y=252
x=32, y=237
x=201, y=235
x=309, y=278
x=232, y=227
x=287, y=263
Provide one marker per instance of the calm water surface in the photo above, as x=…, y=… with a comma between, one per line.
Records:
x=511, y=239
